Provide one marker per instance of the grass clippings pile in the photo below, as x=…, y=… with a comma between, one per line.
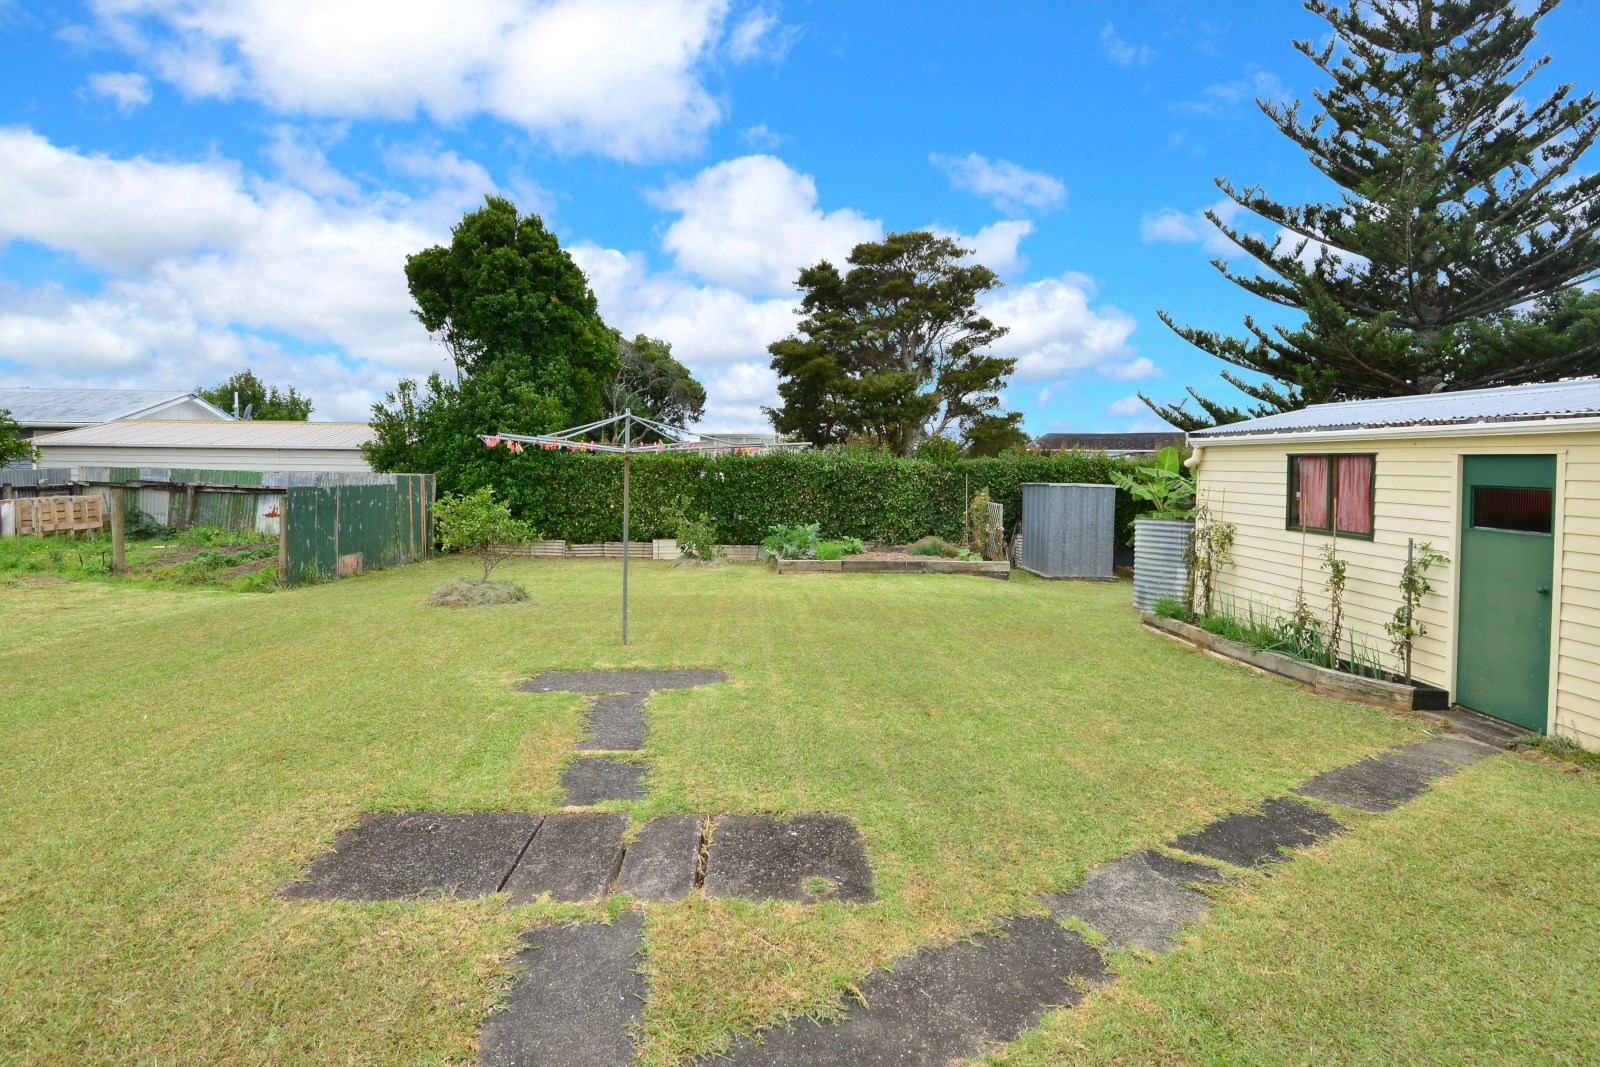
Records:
x=475, y=593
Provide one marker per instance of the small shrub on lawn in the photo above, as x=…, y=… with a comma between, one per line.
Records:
x=479, y=524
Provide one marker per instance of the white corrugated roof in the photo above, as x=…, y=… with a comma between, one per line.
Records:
x=194, y=433
x=78, y=407
x=1509, y=403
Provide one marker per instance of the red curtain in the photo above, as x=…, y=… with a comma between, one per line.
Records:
x=1352, y=494
x=1313, y=491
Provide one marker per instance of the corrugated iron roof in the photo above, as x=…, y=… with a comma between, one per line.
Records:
x=202, y=433
x=1509, y=403
x=78, y=407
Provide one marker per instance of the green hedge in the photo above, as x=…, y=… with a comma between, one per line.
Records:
x=578, y=497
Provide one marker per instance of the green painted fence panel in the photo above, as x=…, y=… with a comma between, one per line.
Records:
x=333, y=531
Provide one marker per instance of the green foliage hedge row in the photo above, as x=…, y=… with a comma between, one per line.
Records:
x=578, y=497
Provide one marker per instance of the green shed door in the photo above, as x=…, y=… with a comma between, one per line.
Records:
x=1507, y=566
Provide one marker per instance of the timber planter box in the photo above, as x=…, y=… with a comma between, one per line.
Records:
x=1340, y=684
x=931, y=565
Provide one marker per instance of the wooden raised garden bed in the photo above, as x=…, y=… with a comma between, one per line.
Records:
x=911, y=565
x=1341, y=684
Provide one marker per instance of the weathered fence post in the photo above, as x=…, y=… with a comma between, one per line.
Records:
x=188, y=506
x=283, y=538
x=119, y=561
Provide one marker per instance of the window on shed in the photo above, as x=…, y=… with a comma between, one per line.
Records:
x=1325, y=491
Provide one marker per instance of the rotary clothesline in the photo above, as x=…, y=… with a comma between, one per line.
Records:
x=569, y=439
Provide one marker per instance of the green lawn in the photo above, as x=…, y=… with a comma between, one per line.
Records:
x=173, y=756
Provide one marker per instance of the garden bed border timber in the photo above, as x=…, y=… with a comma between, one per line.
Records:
x=984, y=568
x=1339, y=684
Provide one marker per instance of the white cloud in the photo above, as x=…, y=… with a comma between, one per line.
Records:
x=1009, y=187
x=1172, y=226
x=301, y=158
x=752, y=223
x=758, y=136
x=1169, y=225
x=1055, y=332
x=761, y=35
x=996, y=246
x=128, y=90
x=1140, y=418
x=718, y=333
x=206, y=268
x=621, y=77
x=1257, y=84
x=1122, y=52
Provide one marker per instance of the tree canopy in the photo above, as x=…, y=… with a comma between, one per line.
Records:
x=529, y=349
x=1453, y=255
x=650, y=382
x=263, y=401
x=13, y=446
x=894, y=351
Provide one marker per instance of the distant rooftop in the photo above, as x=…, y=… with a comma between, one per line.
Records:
x=198, y=433
x=1107, y=442
x=1509, y=403
x=78, y=407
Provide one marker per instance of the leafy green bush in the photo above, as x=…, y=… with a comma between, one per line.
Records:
x=934, y=546
x=696, y=534
x=480, y=524
x=791, y=542
x=1170, y=607
x=848, y=492
x=840, y=547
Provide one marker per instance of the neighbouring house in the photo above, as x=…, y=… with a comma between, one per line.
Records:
x=234, y=445
x=41, y=411
x=1112, y=444
x=749, y=439
x=1504, y=482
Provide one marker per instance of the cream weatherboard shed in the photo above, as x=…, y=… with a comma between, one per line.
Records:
x=1504, y=482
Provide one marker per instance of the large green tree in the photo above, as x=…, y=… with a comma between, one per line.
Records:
x=648, y=381
x=263, y=401
x=1454, y=253
x=13, y=446
x=894, y=351
x=529, y=349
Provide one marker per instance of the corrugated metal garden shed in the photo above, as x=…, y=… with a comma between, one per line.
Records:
x=1068, y=529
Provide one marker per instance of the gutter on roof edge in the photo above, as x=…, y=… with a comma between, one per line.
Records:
x=1496, y=428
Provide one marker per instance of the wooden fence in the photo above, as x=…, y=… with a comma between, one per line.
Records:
x=328, y=524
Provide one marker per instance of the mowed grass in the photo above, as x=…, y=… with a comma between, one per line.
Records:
x=172, y=758
x=1463, y=928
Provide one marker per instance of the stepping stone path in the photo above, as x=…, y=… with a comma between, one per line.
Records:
x=947, y=1003
x=580, y=993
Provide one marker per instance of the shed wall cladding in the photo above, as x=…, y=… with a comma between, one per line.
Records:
x=332, y=460
x=1068, y=529
x=1416, y=495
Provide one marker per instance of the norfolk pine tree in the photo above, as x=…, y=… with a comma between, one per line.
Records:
x=1454, y=255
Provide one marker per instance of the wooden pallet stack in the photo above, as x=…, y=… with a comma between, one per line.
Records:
x=40, y=515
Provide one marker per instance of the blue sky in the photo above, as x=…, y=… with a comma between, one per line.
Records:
x=188, y=187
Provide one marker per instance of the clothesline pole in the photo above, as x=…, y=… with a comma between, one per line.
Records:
x=627, y=455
